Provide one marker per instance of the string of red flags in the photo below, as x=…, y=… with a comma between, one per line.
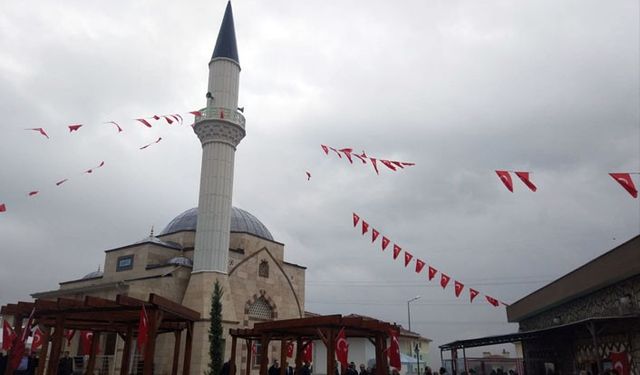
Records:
x=152, y=143
x=505, y=177
x=420, y=264
x=624, y=179
x=349, y=155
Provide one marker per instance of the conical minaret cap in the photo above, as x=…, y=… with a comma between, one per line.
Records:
x=226, y=43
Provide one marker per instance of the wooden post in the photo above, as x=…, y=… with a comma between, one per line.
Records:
x=232, y=360
x=331, y=352
x=176, y=352
x=126, y=352
x=42, y=360
x=247, y=370
x=385, y=358
x=150, y=346
x=56, y=345
x=380, y=355
x=188, y=343
x=264, y=352
x=283, y=356
x=95, y=340
x=299, y=348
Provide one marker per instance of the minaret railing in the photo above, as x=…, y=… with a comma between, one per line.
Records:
x=220, y=113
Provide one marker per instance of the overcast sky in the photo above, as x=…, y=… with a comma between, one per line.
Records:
x=461, y=88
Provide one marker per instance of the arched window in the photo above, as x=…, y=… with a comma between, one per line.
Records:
x=260, y=309
x=263, y=269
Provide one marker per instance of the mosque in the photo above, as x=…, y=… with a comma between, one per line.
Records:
x=213, y=242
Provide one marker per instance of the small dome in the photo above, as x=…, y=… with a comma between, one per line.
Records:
x=180, y=261
x=93, y=275
x=241, y=222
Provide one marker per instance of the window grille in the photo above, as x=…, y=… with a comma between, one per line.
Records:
x=260, y=309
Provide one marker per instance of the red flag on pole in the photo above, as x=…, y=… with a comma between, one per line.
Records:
x=85, y=341
x=472, y=294
x=505, y=177
x=342, y=348
x=432, y=273
x=385, y=243
x=356, y=218
x=394, y=350
x=37, y=339
x=458, y=286
x=374, y=235
x=493, y=301
x=624, y=179
x=365, y=227
x=8, y=336
x=407, y=258
x=419, y=265
x=396, y=251
x=524, y=177
x=444, y=280
x=307, y=352
x=143, y=328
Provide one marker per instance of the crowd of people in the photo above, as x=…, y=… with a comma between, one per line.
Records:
x=29, y=364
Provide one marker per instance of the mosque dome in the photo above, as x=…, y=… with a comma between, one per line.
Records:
x=241, y=222
x=93, y=275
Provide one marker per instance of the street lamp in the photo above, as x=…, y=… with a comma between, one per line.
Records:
x=409, y=309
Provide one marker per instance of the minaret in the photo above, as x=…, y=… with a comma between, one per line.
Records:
x=220, y=128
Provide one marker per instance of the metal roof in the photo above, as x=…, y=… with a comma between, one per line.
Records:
x=226, y=43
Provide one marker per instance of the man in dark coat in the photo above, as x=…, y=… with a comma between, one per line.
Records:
x=275, y=368
x=65, y=366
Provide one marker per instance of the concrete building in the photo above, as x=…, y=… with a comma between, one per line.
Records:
x=213, y=242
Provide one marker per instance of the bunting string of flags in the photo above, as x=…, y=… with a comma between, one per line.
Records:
x=349, y=155
x=420, y=264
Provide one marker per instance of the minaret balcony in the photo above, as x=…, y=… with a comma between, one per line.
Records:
x=222, y=114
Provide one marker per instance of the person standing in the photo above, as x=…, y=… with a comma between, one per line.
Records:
x=275, y=368
x=363, y=370
x=65, y=366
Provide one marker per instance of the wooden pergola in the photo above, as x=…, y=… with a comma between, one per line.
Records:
x=304, y=330
x=100, y=315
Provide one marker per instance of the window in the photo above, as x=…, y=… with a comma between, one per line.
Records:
x=256, y=353
x=261, y=310
x=263, y=269
x=124, y=263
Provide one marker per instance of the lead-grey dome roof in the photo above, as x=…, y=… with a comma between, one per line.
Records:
x=241, y=221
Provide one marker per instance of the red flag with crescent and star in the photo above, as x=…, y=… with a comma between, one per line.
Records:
x=86, y=337
x=472, y=294
x=444, y=280
x=458, y=286
x=394, y=350
x=342, y=348
x=419, y=265
x=356, y=218
x=396, y=251
x=407, y=258
x=524, y=177
x=8, y=335
x=374, y=235
x=432, y=273
x=624, y=179
x=620, y=362
x=365, y=227
x=505, y=177
x=38, y=338
x=385, y=243
x=307, y=352
x=492, y=301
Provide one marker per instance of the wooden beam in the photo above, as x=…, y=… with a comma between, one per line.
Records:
x=299, y=350
x=90, y=301
x=264, y=354
x=91, y=364
x=154, y=316
x=65, y=303
x=283, y=356
x=186, y=363
x=176, y=352
x=56, y=345
x=232, y=360
x=174, y=308
x=123, y=300
x=126, y=352
x=249, y=353
x=331, y=353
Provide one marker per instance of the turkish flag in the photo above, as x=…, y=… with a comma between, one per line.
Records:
x=625, y=180
x=290, y=349
x=74, y=128
x=365, y=227
x=196, y=113
x=336, y=151
x=68, y=334
x=472, y=294
x=444, y=280
x=347, y=152
x=168, y=119
x=8, y=335
x=492, y=301
x=524, y=177
x=385, y=243
x=356, y=218
x=432, y=273
x=398, y=164
x=419, y=265
x=342, y=348
x=3, y=207
x=143, y=328
x=396, y=251
x=144, y=122
x=407, y=258
x=85, y=341
x=38, y=337
x=505, y=177
x=32, y=193
x=394, y=350
x=116, y=124
x=325, y=149
x=620, y=362
x=156, y=117
x=374, y=235
x=361, y=157
x=458, y=286
x=375, y=165
x=307, y=352
x=388, y=164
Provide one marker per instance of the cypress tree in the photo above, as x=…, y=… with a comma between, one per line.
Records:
x=216, y=342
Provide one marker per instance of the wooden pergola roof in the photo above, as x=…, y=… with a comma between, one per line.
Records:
x=99, y=314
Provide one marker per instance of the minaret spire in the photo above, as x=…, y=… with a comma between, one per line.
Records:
x=226, y=43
